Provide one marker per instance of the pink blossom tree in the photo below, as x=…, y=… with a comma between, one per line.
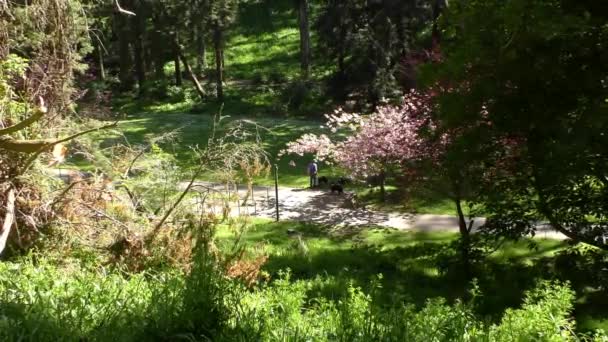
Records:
x=367, y=145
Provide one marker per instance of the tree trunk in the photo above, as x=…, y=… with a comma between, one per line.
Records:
x=148, y=56
x=9, y=218
x=465, y=240
x=197, y=85
x=219, y=70
x=201, y=51
x=178, y=70
x=223, y=62
x=100, y=62
x=382, y=188
x=304, y=38
x=158, y=49
x=140, y=71
x=124, y=45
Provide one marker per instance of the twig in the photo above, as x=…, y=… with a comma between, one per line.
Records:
x=128, y=170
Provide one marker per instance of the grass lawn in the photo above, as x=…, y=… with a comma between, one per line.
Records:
x=328, y=259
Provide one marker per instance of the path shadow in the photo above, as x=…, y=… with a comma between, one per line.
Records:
x=326, y=208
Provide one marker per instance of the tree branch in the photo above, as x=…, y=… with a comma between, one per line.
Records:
x=41, y=149
x=23, y=124
x=175, y=204
x=34, y=146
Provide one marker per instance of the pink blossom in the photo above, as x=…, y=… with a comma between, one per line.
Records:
x=368, y=143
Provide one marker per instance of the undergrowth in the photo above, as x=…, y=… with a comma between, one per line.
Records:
x=40, y=301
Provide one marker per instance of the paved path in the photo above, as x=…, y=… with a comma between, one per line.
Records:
x=323, y=207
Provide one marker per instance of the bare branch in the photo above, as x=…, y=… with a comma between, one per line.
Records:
x=101, y=213
x=63, y=193
x=122, y=10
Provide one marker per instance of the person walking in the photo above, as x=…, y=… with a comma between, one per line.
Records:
x=313, y=170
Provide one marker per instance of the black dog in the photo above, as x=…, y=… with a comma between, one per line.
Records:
x=323, y=180
x=337, y=188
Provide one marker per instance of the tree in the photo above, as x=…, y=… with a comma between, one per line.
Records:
x=408, y=141
x=138, y=24
x=222, y=13
x=124, y=35
x=368, y=40
x=535, y=72
x=303, y=23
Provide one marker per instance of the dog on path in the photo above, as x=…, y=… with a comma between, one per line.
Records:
x=323, y=180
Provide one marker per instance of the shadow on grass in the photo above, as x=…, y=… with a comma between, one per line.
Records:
x=413, y=265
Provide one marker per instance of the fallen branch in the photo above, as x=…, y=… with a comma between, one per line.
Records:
x=101, y=213
x=197, y=85
x=9, y=218
x=128, y=170
x=63, y=193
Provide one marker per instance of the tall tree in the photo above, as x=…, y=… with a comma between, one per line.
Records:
x=201, y=48
x=176, y=60
x=222, y=16
x=123, y=31
x=303, y=23
x=138, y=23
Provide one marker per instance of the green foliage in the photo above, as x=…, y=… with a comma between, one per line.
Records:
x=538, y=154
x=176, y=94
x=12, y=68
x=42, y=303
x=548, y=306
